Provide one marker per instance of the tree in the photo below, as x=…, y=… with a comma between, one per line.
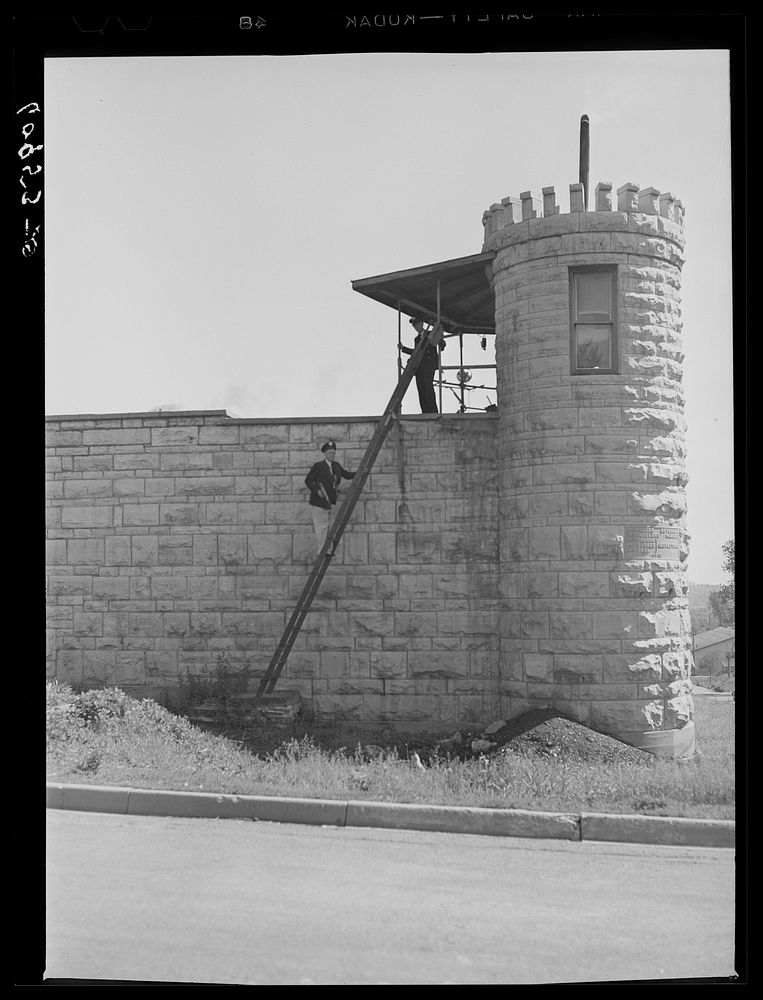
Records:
x=722, y=600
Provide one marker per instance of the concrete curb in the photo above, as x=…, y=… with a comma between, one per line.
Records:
x=665, y=830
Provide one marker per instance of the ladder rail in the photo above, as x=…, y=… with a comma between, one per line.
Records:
x=336, y=529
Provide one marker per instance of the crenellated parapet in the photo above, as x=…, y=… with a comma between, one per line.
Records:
x=630, y=208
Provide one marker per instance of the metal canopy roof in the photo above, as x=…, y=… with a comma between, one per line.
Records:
x=466, y=298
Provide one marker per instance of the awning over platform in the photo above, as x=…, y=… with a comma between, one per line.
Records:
x=465, y=296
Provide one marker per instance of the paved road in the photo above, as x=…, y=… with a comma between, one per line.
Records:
x=156, y=899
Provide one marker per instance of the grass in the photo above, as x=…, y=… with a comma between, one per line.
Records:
x=105, y=737
x=717, y=682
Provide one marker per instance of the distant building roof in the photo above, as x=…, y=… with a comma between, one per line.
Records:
x=713, y=636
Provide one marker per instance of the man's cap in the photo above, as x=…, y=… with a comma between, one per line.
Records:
x=415, y=319
x=328, y=445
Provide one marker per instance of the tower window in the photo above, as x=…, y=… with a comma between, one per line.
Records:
x=593, y=320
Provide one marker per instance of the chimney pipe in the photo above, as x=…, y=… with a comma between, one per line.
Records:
x=585, y=158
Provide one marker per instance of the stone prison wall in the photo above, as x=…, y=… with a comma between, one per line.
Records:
x=173, y=537
x=497, y=562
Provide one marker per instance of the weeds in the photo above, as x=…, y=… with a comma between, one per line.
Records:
x=219, y=689
x=106, y=737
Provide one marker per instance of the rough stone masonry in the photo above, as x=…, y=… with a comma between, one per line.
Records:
x=495, y=562
x=592, y=464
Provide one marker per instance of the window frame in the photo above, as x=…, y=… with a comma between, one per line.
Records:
x=612, y=324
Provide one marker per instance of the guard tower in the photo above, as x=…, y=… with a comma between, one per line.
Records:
x=592, y=460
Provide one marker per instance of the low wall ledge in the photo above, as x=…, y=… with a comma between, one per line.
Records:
x=223, y=417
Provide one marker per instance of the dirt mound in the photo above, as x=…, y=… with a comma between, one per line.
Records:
x=537, y=733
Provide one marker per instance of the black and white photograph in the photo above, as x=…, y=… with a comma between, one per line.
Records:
x=390, y=381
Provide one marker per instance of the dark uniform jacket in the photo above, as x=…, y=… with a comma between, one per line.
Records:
x=329, y=478
x=430, y=354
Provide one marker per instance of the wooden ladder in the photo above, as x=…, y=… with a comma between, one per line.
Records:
x=336, y=529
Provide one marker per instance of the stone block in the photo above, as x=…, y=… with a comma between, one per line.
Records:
x=340, y=707
x=140, y=514
x=387, y=664
x=212, y=513
x=165, y=664
x=63, y=439
x=583, y=585
x=571, y=669
x=267, y=434
x=204, y=550
x=87, y=516
x=232, y=550
x=547, y=505
x=87, y=624
x=580, y=504
x=159, y=487
x=136, y=461
x=648, y=201
x=116, y=436
x=416, y=624
x=618, y=667
x=610, y=502
x=562, y=418
x=261, y=587
x=70, y=586
x=130, y=487
x=627, y=198
x=540, y=584
x=603, y=197
x=179, y=513
x=625, y=715
x=422, y=663
x=69, y=665
x=571, y=625
x=370, y=623
x=537, y=667
x=99, y=668
x=573, y=542
x=414, y=587
x=534, y=624
x=614, y=624
x=183, y=461
x=177, y=436
x=111, y=588
x=632, y=584
x=543, y=543
x=284, y=512
x=220, y=434
x=271, y=547
x=85, y=551
x=146, y=624
x=130, y=667
x=676, y=664
x=145, y=550
x=599, y=416
x=418, y=547
x=336, y=663
x=302, y=665
x=667, y=503
x=177, y=624
x=173, y=550
x=193, y=486
x=606, y=542
x=355, y=548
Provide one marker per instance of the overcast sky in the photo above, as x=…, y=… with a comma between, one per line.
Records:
x=206, y=215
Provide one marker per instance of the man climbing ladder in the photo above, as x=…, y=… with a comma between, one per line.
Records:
x=336, y=529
